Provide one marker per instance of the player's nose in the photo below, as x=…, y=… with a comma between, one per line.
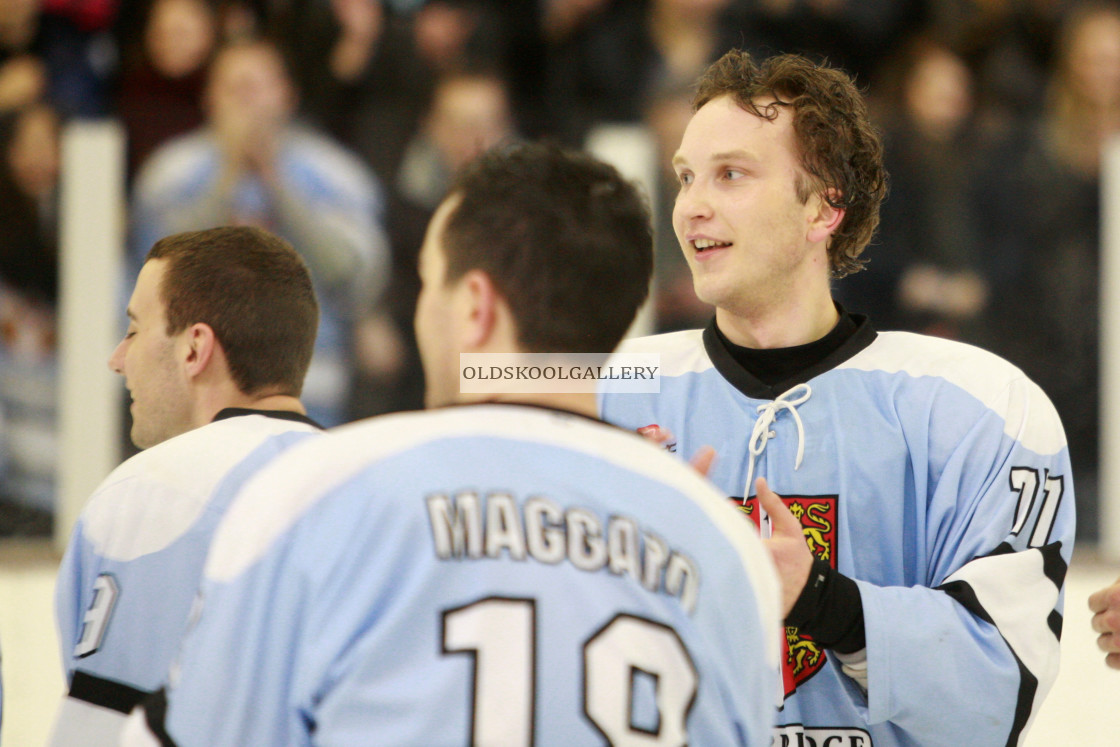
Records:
x=693, y=203
x=116, y=360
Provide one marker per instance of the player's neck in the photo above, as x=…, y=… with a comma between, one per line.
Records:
x=274, y=402
x=796, y=323
x=206, y=411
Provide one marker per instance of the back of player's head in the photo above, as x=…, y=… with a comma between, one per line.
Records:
x=254, y=290
x=565, y=239
x=840, y=148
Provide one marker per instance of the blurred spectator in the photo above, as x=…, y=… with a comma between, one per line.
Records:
x=504, y=36
x=236, y=19
x=928, y=274
x=367, y=72
x=46, y=56
x=1083, y=107
x=1010, y=48
x=606, y=58
x=1041, y=203
x=23, y=74
x=852, y=34
x=443, y=30
x=161, y=86
x=87, y=15
x=28, y=292
x=469, y=113
x=523, y=62
x=563, y=18
x=244, y=19
x=360, y=75
x=676, y=306
x=251, y=164
x=28, y=204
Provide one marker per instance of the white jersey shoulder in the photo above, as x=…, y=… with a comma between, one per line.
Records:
x=970, y=367
x=681, y=352
x=147, y=502
x=1028, y=414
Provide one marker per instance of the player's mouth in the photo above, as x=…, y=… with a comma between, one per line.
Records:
x=708, y=247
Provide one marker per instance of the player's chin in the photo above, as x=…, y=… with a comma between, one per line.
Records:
x=710, y=290
x=139, y=439
x=142, y=435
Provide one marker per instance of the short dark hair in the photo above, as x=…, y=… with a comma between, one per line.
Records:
x=566, y=240
x=254, y=290
x=840, y=148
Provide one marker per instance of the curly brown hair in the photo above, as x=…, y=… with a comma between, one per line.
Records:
x=841, y=150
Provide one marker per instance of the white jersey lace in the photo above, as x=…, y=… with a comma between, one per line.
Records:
x=788, y=400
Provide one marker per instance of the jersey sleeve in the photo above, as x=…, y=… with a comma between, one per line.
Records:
x=131, y=571
x=978, y=641
x=246, y=632
x=68, y=598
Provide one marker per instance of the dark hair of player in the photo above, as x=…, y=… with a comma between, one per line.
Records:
x=565, y=239
x=254, y=290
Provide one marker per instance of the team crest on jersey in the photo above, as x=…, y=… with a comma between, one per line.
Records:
x=802, y=657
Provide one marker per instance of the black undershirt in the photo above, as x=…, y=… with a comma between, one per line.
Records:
x=829, y=609
x=774, y=365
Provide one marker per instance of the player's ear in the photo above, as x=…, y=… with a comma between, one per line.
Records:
x=200, y=345
x=827, y=217
x=479, y=299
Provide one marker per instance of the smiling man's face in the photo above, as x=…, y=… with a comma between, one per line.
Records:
x=738, y=217
x=148, y=358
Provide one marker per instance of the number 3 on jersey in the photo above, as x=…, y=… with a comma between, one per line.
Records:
x=96, y=619
x=500, y=633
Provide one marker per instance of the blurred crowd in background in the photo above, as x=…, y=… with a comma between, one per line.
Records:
x=339, y=123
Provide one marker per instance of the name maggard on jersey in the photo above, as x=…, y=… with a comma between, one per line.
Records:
x=469, y=526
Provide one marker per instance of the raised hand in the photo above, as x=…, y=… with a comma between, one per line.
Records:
x=786, y=544
x=701, y=461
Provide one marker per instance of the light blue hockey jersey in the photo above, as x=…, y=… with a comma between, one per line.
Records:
x=489, y=574
x=131, y=571
x=933, y=473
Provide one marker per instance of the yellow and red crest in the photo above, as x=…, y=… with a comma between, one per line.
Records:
x=801, y=656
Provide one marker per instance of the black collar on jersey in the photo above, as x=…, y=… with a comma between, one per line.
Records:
x=234, y=412
x=766, y=374
x=774, y=365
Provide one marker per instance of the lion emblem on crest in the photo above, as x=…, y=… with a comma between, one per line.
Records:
x=817, y=514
